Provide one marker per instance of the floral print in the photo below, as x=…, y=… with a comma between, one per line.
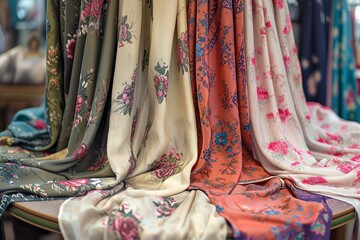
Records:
x=166, y=207
x=52, y=61
x=70, y=47
x=183, y=53
x=124, y=222
x=125, y=34
x=344, y=97
x=226, y=169
x=161, y=81
x=278, y=147
x=125, y=99
x=80, y=153
x=168, y=165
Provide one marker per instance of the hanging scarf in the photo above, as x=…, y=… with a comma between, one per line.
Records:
x=345, y=100
x=313, y=50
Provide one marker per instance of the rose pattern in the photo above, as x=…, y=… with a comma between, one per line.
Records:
x=124, y=222
x=167, y=165
x=125, y=99
x=127, y=228
x=74, y=183
x=81, y=152
x=96, y=8
x=86, y=11
x=70, y=47
x=161, y=81
x=165, y=169
x=125, y=35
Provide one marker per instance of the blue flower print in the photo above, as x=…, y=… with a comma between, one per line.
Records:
x=221, y=138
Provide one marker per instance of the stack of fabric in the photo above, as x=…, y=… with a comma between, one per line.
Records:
x=169, y=119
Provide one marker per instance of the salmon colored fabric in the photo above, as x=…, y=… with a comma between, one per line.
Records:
x=243, y=192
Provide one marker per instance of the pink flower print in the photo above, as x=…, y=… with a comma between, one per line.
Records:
x=285, y=31
x=96, y=8
x=307, y=117
x=315, y=180
x=338, y=154
x=172, y=151
x=354, y=146
x=262, y=31
x=280, y=147
x=345, y=168
x=74, y=183
x=165, y=169
x=278, y=3
x=165, y=209
x=253, y=61
x=270, y=116
x=333, y=137
x=262, y=93
x=123, y=32
x=81, y=152
x=79, y=103
x=181, y=55
x=295, y=163
x=268, y=24
x=325, y=126
x=284, y=114
x=127, y=227
x=70, y=48
x=356, y=158
x=357, y=176
x=161, y=81
x=323, y=140
x=85, y=12
x=286, y=60
x=294, y=50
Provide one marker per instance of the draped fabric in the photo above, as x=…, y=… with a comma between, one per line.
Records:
x=307, y=144
x=313, y=48
x=345, y=100
x=243, y=192
x=163, y=119
x=152, y=142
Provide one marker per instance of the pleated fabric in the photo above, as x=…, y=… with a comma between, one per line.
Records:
x=243, y=192
x=152, y=141
x=164, y=118
x=306, y=143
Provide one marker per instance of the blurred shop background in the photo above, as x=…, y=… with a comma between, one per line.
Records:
x=22, y=56
x=22, y=80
